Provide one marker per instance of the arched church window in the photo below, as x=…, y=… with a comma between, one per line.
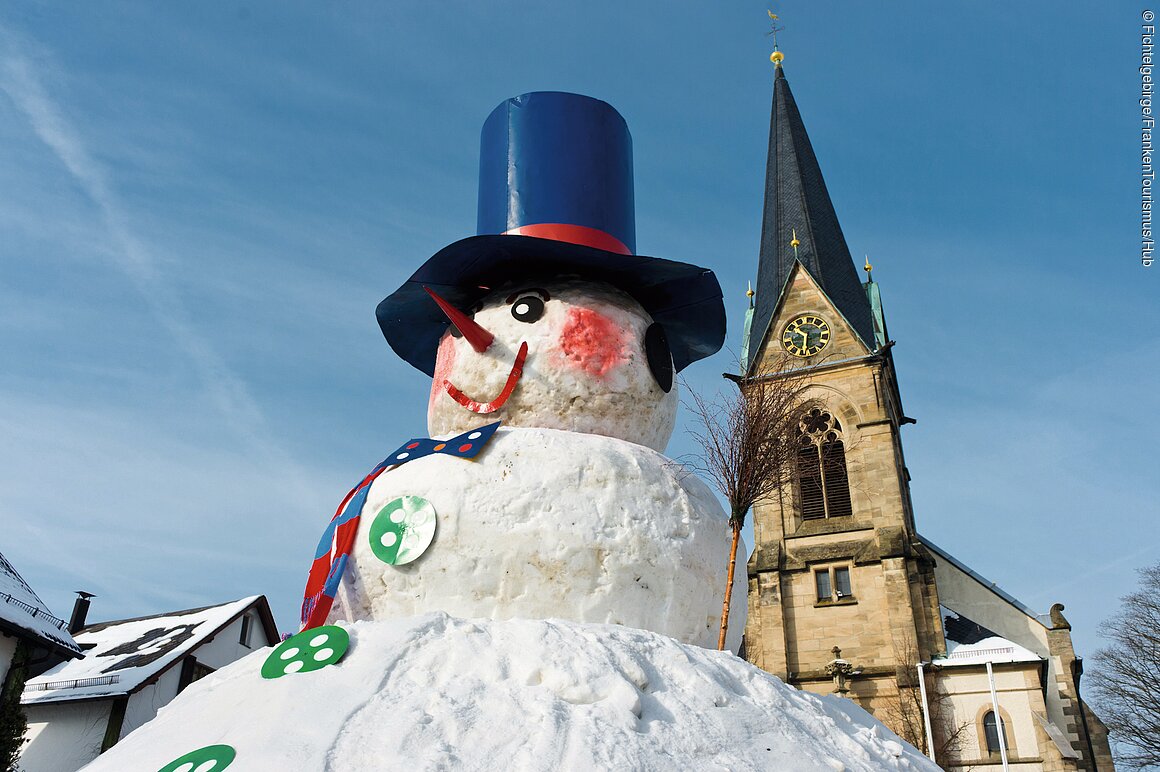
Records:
x=821, y=464
x=991, y=732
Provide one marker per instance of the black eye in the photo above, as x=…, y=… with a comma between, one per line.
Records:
x=528, y=309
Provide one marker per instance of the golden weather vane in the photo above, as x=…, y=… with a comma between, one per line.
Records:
x=777, y=56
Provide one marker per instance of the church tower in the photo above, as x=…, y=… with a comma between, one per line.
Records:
x=844, y=594
x=837, y=562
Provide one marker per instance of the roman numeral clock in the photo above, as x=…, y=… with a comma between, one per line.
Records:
x=806, y=335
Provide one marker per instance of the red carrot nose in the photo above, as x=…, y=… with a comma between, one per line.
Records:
x=479, y=338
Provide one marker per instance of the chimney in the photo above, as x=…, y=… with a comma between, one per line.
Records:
x=80, y=611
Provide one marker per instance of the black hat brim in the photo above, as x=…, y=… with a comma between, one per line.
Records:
x=684, y=298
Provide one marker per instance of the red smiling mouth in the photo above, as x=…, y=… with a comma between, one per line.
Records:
x=490, y=407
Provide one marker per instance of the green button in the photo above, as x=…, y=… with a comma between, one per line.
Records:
x=211, y=758
x=308, y=650
x=403, y=530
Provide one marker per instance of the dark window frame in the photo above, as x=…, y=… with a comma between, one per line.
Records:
x=833, y=576
x=991, y=733
x=822, y=476
x=247, y=630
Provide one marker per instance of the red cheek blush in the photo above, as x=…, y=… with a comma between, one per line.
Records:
x=444, y=364
x=592, y=342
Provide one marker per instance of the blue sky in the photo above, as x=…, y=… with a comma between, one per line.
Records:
x=201, y=205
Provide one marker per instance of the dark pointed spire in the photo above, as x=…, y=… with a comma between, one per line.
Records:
x=796, y=201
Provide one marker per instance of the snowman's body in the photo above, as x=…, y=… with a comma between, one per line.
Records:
x=553, y=524
x=567, y=514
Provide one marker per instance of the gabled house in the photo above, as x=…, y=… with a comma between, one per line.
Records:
x=130, y=669
x=24, y=618
x=31, y=638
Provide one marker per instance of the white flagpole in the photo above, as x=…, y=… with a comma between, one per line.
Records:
x=998, y=717
x=925, y=714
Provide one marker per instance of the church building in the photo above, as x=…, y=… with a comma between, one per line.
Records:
x=845, y=595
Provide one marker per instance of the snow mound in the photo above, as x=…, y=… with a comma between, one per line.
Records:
x=437, y=692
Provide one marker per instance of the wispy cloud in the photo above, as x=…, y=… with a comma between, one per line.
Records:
x=24, y=65
x=147, y=520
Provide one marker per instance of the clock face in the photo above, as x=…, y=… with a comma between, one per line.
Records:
x=806, y=335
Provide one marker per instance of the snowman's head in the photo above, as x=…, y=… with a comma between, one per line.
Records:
x=566, y=354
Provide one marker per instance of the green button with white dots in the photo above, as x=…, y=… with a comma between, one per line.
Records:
x=211, y=758
x=308, y=650
x=403, y=530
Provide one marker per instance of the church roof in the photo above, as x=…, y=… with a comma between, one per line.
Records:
x=969, y=643
x=992, y=586
x=796, y=201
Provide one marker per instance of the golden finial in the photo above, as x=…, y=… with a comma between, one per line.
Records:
x=749, y=292
x=777, y=56
x=867, y=268
x=794, y=242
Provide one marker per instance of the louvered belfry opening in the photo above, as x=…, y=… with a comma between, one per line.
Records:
x=823, y=487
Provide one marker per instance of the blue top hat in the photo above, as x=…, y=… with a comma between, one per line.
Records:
x=555, y=198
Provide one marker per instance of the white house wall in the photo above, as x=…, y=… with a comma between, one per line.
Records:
x=224, y=648
x=1017, y=691
x=144, y=704
x=63, y=737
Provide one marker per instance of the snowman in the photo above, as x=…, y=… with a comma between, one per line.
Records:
x=534, y=586
x=548, y=325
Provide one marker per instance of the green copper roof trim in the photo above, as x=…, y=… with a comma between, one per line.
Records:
x=745, y=339
x=875, y=298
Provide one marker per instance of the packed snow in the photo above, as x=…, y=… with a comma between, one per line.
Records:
x=547, y=523
x=437, y=692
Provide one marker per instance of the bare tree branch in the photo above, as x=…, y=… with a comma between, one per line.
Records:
x=749, y=437
x=749, y=442
x=904, y=713
x=1126, y=676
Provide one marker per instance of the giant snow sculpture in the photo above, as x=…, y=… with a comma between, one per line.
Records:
x=529, y=588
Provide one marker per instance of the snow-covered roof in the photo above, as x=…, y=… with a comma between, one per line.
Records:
x=994, y=650
x=22, y=610
x=969, y=643
x=127, y=653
